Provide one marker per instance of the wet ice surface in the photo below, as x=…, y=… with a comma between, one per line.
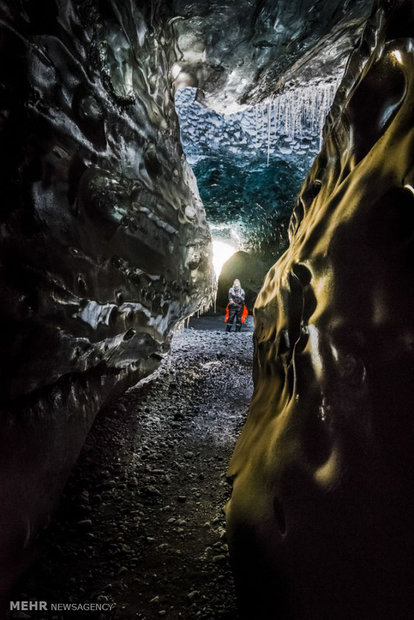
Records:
x=141, y=523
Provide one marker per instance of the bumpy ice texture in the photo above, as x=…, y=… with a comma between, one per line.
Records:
x=320, y=520
x=105, y=246
x=240, y=53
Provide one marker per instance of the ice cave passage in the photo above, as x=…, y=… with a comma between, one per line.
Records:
x=139, y=139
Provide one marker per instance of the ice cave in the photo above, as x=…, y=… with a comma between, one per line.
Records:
x=154, y=462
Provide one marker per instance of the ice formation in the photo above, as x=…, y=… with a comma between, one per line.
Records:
x=249, y=165
x=289, y=124
x=321, y=513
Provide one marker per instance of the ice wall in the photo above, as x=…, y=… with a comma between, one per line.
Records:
x=320, y=519
x=104, y=242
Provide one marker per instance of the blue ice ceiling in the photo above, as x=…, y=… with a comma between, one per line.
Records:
x=250, y=165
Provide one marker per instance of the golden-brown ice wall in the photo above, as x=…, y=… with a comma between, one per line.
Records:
x=321, y=517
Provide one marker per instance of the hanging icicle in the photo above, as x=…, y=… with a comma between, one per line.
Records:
x=256, y=126
x=290, y=123
x=298, y=116
x=268, y=131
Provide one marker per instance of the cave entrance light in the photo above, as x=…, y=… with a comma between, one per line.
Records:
x=222, y=251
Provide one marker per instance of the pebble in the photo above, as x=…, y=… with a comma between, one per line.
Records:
x=177, y=471
x=151, y=490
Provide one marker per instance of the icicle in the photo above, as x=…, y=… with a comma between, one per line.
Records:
x=268, y=132
x=298, y=114
x=257, y=129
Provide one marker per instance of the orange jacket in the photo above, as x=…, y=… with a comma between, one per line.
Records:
x=243, y=316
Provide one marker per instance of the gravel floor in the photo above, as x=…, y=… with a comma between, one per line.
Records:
x=141, y=523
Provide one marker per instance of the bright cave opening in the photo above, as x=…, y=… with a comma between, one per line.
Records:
x=249, y=165
x=222, y=252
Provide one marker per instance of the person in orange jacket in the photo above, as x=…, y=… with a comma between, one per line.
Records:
x=236, y=308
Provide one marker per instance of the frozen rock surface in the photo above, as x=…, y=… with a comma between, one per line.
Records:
x=320, y=520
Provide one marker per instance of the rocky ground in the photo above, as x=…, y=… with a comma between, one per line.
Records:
x=141, y=523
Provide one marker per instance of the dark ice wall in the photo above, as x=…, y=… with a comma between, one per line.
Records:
x=240, y=52
x=104, y=243
x=320, y=522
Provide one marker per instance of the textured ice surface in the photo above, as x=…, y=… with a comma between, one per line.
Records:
x=104, y=241
x=239, y=53
x=290, y=123
x=249, y=165
x=320, y=519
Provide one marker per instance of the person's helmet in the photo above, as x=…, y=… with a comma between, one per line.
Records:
x=236, y=283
